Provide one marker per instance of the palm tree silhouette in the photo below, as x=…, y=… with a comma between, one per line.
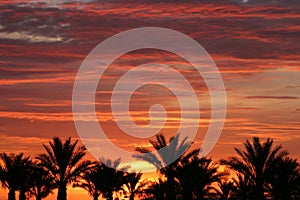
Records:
x=255, y=164
x=133, y=185
x=225, y=190
x=113, y=177
x=12, y=170
x=156, y=190
x=167, y=158
x=285, y=183
x=92, y=182
x=63, y=161
x=41, y=183
x=196, y=176
x=243, y=188
x=25, y=178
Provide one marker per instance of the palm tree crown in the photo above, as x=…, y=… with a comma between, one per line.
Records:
x=63, y=161
x=12, y=172
x=255, y=164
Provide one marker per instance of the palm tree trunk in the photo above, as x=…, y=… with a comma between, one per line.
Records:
x=22, y=195
x=96, y=196
x=62, y=192
x=38, y=196
x=11, y=194
x=131, y=197
x=187, y=193
x=109, y=196
x=170, y=192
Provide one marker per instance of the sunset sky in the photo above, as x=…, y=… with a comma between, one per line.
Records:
x=254, y=43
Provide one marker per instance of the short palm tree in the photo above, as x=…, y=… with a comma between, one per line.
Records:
x=255, y=164
x=196, y=176
x=41, y=183
x=63, y=160
x=12, y=171
x=173, y=151
x=92, y=182
x=133, y=185
x=243, y=188
x=225, y=190
x=113, y=177
x=156, y=190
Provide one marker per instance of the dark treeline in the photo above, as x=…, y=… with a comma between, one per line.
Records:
x=259, y=171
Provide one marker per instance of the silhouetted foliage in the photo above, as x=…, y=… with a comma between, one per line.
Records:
x=156, y=190
x=63, y=161
x=284, y=179
x=196, y=176
x=133, y=185
x=13, y=174
x=255, y=164
x=41, y=182
x=225, y=190
x=113, y=177
x=259, y=172
x=168, y=152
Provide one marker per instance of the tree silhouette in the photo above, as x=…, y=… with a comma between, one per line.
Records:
x=172, y=151
x=243, y=188
x=41, y=182
x=133, y=185
x=11, y=172
x=25, y=178
x=92, y=182
x=255, y=164
x=63, y=161
x=196, y=175
x=225, y=190
x=284, y=181
x=156, y=190
x=113, y=177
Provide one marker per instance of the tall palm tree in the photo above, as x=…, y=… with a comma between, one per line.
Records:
x=196, y=176
x=11, y=172
x=173, y=151
x=63, y=160
x=133, y=185
x=284, y=181
x=41, y=182
x=255, y=163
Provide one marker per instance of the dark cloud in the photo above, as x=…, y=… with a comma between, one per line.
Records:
x=272, y=97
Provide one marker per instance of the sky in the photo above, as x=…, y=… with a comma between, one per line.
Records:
x=254, y=43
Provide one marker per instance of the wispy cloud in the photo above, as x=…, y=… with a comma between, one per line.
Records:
x=32, y=38
x=272, y=97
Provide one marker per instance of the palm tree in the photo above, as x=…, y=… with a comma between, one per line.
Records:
x=156, y=190
x=63, y=161
x=11, y=172
x=133, y=185
x=284, y=184
x=25, y=178
x=255, y=163
x=41, y=183
x=168, y=152
x=113, y=177
x=243, y=188
x=225, y=190
x=92, y=182
x=196, y=176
